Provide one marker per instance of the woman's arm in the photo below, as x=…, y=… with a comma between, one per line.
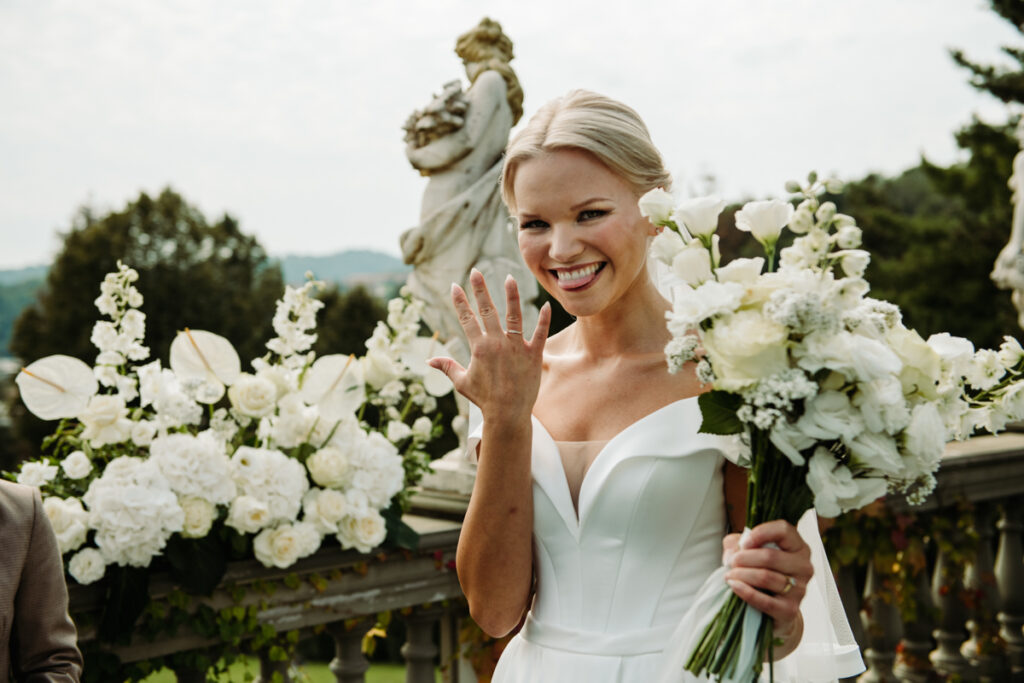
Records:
x=495, y=553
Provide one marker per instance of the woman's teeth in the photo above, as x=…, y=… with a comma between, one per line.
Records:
x=572, y=276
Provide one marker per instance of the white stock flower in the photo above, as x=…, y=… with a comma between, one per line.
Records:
x=194, y=465
x=199, y=516
x=665, y=245
x=956, y=353
x=69, y=520
x=656, y=205
x=744, y=347
x=835, y=488
x=1010, y=352
x=248, y=514
x=324, y=508
x=76, y=465
x=87, y=566
x=296, y=423
x=285, y=545
x=105, y=420
x=802, y=221
x=700, y=215
x=882, y=405
x=829, y=416
x=133, y=324
x=329, y=467
x=985, y=370
x=252, y=395
x=853, y=261
x=764, y=219
x=692, y=265
x=36, y=473
x=363, y=531
x=744, y=271
x=848, y=237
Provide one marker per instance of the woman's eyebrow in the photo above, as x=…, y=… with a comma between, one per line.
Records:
x=588, y=201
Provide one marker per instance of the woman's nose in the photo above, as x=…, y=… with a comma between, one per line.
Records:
x=565, y=244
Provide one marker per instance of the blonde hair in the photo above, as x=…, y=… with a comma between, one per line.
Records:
x=486, y=43
x=607, y=128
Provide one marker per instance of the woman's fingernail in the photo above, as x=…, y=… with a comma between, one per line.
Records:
x=727, y=557
x=732, y=583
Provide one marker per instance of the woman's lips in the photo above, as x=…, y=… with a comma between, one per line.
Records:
x=579, y=277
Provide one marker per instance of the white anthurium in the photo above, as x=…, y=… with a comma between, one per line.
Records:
x=56, y=387
x=335, y=385
x=764, y=219
x=415, y=357
x=207, y=357
x=700, y=215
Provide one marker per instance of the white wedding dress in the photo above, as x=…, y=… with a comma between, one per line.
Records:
x=615, y=585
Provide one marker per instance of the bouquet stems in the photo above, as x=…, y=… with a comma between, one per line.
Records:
x=776, y=489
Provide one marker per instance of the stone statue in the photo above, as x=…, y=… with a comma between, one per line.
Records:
x=1008, y=272
x=458, y=140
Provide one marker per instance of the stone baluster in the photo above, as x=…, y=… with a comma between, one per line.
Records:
x=1009, y=571
x=350, y=664
x=912, y=665
x=881, y=621
x=949, y=633
x=419, y=649
x=984, y=649
x=272, y=671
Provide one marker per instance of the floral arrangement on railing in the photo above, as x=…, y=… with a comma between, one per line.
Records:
x=201, y=457
x=837, y=401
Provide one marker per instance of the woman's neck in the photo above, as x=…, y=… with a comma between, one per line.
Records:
x=634, y=325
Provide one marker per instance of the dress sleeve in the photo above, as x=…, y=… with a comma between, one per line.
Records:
x=827, y=651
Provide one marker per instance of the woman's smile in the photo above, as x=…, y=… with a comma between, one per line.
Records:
x=578, y=277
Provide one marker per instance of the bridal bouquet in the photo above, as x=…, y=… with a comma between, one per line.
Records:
x=149, y=459
x=838, y=401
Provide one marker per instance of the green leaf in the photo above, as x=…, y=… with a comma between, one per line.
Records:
x=718, y=410
x=400, y=534
x=127, y=596
x=197, y=564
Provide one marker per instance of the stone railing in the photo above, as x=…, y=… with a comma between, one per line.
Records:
x=969, y=613
x=339, y=591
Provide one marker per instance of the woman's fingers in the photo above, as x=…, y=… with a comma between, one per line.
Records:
x=484, y=303
x=450, y=367
x=782, y=608
x=540, y=333
x=465, y=312
x=513, y=309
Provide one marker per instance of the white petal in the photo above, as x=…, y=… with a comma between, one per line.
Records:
x=56, y=386
x=204, y=355
x=335, y=384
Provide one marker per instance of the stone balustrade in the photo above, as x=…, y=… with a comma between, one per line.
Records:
x=334, y=590
x=969, y=614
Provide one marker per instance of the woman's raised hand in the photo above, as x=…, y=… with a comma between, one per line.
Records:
x=772, y=579
x=504, y=369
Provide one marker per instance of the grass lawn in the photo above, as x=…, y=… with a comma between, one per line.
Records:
x=311, y=673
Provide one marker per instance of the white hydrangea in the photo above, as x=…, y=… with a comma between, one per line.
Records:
x=195, y=466
x=69, y=520
x=133, y=510
x=271, y=477
x=161, y=389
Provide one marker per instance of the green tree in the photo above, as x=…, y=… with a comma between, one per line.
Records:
x=191, y=273
x=347, y=320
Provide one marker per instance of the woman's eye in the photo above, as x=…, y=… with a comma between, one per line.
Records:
x=591, y=214
x=530, y=225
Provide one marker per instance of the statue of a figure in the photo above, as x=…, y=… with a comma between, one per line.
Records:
x=1008, y=272
x=458, y=140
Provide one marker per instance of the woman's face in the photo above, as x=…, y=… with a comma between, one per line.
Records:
x=580, y=230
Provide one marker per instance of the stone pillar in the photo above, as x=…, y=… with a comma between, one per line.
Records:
x=949, y=633
x=1009, y=571
x=984, y=649
x=273, y=672
x=419, y=649
x=350, y=664
x=881, y=621
x=912, y=665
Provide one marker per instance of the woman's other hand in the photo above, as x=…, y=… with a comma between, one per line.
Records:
x=774, y=580
x=504, y=371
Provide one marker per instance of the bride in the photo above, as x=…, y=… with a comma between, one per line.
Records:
x=599, y=510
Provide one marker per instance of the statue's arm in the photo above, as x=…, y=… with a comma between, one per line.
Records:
x=441, y=152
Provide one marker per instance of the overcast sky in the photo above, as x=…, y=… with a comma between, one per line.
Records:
x=288, y=114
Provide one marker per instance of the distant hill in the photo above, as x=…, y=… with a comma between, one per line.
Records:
x=344, y=267
x=381, y=273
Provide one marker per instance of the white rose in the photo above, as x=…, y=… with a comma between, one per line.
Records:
x=69, y=521
x=876, y=451
x=765, y=219
x=657, y=206
x=76, y=465
x=143, y=432
x=253, y=396
x=882, y=404
x=324, y=508
x=248, y=515
x=744, y=271
x=363, y=531
x=284, y=546
x=105, y=420
x=700, y=215
x=329, y=467
x=199, y=516
x=744, y=347
x=36, y=473
x=87, y=566
x=829, y=416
